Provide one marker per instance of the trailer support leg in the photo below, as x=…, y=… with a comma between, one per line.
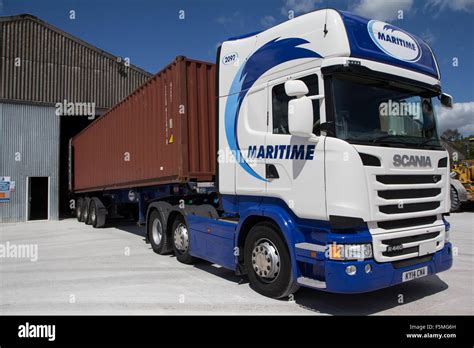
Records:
x=141, y=210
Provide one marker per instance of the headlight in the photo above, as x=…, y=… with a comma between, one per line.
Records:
x=350, y=251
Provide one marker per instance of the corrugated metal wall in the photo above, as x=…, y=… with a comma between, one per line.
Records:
x=32, y=131
x=55, y=66
x=41, y=65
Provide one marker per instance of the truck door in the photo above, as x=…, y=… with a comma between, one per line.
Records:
x=294, y=166
x=251, y=132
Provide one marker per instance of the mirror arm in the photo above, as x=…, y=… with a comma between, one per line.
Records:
x=316, y=97
x=313, y=139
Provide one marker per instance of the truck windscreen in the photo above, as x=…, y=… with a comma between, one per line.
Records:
x=381, y=112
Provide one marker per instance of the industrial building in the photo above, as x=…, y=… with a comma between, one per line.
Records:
x=52, y=86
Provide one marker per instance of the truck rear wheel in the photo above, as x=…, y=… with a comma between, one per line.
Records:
x=79, y=203
x=181, y=240
x=455, y=202
x=268, y=262
x=160, y=240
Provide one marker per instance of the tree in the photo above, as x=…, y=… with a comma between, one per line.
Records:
x=452, y=135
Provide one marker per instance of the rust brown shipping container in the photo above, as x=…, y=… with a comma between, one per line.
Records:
x=164, y=132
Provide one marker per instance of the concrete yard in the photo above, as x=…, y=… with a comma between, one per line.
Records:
x=81, y=270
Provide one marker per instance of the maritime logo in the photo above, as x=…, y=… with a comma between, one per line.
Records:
x=393, y=41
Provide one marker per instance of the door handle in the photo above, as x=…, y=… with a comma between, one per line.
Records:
x=271, y=172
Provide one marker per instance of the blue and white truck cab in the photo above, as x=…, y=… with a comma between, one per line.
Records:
x=330, y=171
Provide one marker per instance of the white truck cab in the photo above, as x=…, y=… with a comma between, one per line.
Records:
x=327, y=129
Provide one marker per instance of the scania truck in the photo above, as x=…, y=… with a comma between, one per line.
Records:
x=329, y=173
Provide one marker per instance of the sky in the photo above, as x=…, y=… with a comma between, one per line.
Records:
x=152, y=32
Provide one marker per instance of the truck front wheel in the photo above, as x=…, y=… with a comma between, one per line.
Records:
x=268, y=262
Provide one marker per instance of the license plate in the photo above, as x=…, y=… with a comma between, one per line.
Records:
x=414, y=274
x=427, y=248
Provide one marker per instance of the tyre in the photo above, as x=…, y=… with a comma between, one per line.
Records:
x=160, y=240
x=455, y=202
x=93, y=213
x=268, y=262
x=79, y=203
x=85, y=210
x=181, y=240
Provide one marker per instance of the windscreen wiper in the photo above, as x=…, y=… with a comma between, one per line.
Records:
x=426, y=142
x=381, y=137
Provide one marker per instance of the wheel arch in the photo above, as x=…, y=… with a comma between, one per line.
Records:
x=278, y=217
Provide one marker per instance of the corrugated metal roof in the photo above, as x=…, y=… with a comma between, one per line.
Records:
x=56, y=66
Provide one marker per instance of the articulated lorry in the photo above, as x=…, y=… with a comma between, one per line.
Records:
x=308, y=155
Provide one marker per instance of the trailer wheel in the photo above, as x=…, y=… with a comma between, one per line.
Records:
x=160, y=240
x=93, y=213
x=268, y=262
x=97, y=213
x=79, y=203
x=455, y=202
x=85, y=210
x=181, y=240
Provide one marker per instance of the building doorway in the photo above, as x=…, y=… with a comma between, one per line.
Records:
x=38, y=198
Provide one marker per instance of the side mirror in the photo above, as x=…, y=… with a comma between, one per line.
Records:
x=300, y=117
x=296, y=88
x=446, y=100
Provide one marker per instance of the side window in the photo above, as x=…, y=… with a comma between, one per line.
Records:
x=280, y=105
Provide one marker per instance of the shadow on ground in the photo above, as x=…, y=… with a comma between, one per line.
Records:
x=127, y=226
x=372, y=302
x=324, y=302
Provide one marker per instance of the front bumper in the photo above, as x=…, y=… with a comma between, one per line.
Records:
x=382, y=275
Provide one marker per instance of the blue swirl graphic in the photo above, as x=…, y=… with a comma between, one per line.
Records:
x=273, y=53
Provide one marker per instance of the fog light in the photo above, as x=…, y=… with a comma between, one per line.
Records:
x=351, y=270
x=368, y=268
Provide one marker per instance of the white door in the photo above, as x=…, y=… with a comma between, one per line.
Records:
x=251, y=131
x=295, y=166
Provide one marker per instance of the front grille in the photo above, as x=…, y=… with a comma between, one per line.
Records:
x=408, y=208
x=390, y=225
x=410, y=239
x=413, y=193
x=408, y=179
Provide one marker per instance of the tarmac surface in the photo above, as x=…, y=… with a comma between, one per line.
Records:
x=81, y=270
